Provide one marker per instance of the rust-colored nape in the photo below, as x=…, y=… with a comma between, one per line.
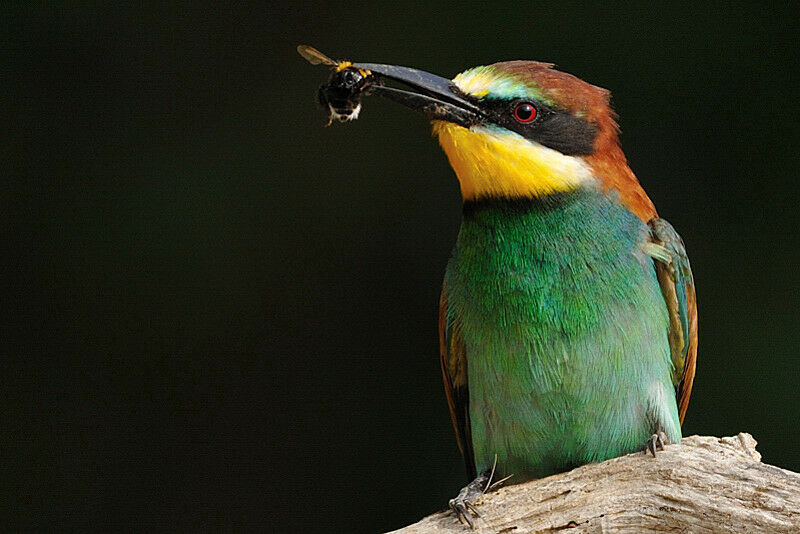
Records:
x=576, y=96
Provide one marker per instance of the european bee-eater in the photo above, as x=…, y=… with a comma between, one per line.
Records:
x=568, y=319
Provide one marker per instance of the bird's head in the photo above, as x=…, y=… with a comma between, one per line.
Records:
x=521, y=129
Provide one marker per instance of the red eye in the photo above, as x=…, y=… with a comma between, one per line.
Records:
x=524, y=112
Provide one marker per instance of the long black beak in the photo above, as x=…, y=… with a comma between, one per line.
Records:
x=433, y=96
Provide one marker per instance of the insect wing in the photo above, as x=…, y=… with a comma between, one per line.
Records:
x=314, y=56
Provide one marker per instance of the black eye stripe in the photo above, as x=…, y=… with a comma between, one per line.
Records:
x=553, y=128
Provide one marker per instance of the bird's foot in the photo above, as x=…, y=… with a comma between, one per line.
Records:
x=463, y=506
x=656, y=441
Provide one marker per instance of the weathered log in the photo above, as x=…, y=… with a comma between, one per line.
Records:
x=705, y=484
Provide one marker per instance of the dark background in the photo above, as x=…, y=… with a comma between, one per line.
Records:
x=222, y=315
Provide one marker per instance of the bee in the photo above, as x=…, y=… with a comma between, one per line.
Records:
x=341, y=95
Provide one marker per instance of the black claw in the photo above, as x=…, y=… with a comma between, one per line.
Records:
x=656, y=441
x=463, y=506
x=459, y=507
x=469, y=520
x=473, y=509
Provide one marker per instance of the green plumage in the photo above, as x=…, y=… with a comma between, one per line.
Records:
x=565, y=331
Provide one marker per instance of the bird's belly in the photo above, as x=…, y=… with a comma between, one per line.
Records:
x=543, y=402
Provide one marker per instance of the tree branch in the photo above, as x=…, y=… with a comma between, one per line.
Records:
x=705, y=484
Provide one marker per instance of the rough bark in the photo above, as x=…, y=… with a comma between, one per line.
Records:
x=705, y=484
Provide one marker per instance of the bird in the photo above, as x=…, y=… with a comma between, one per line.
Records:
x=568, y=314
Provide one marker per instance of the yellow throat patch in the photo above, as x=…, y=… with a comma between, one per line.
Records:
x=495, y=163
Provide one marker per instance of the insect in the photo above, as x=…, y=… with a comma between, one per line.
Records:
x=341, y=95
